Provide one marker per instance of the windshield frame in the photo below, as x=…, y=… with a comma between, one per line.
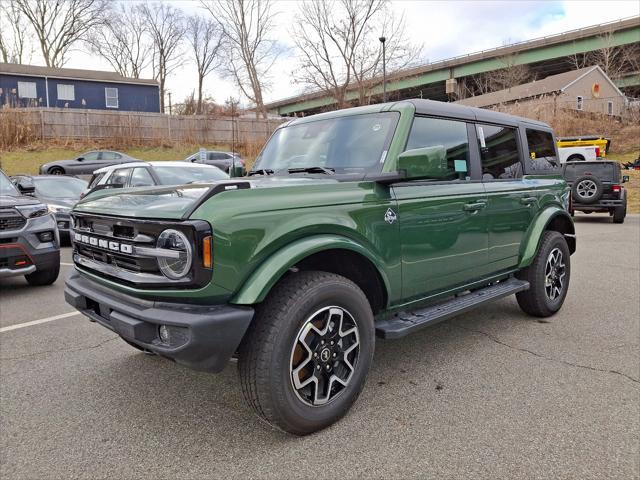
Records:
x=350, y=172
x=11, y=186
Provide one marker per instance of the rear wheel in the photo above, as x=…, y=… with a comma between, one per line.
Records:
x=548, y=277
x=307, y=353
x=43, y=277
x=619, y=213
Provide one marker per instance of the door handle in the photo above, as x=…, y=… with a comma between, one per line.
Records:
x=474, y=207
x=528, y=201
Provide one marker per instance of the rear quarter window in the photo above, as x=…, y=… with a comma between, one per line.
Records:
x=542, y=158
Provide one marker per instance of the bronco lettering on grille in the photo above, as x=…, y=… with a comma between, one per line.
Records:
x=107, y=245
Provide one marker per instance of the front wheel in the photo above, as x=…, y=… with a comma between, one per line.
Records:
x=548, y=277
x=56, y=171
x=43, y=277
x=306, y=356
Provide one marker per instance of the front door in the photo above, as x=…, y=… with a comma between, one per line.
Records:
x=443, y=229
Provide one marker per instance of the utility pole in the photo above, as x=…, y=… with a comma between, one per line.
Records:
x=384, y=69
x=169, y=94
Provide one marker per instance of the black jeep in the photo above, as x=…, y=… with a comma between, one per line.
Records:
x=597, y=187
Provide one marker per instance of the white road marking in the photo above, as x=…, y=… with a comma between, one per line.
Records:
x=66, y=264
x=38, y=322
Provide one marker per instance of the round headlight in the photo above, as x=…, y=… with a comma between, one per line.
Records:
x=174, y=265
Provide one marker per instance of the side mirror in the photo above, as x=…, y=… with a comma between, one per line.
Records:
x=26, y=188
x=427, y=162
x=80, y=159
x=625, y=178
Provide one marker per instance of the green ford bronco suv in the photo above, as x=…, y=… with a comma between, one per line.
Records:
x=371, y=221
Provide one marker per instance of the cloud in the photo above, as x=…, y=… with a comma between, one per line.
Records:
x=445, y=28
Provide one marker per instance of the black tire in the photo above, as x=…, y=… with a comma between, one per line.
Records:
x=619, y=213
x=43, y=277
x=587, y=189
x=575, y=158
x=268, y=351
x=56, y=171
x=536, y=301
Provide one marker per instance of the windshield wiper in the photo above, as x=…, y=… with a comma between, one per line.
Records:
x=260, y=171
x=328, y=171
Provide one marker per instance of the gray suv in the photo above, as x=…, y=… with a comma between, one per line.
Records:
x=29, y=240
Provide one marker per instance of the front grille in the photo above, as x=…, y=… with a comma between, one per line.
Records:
x=106, y=246
x=11, y=220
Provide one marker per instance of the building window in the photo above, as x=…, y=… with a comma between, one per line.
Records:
x=111, y=97
x=609, y=108
x=66, y=92
x=579, y=102
x=27, y=90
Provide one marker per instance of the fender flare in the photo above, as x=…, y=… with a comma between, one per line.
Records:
x=532, y=239
x=260, y=282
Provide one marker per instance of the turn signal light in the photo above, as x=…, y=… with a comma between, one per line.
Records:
x=206, y=252
x=597, y=151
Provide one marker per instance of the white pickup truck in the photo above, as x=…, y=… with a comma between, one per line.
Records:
x=592, y=147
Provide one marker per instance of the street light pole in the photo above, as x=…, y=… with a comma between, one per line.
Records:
x=384, y=69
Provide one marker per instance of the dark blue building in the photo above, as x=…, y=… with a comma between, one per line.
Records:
x=31, y=86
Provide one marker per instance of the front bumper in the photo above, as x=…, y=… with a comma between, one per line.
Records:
x=22, y=252
x=208, y=335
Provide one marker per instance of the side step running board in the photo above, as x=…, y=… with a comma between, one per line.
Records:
x=408, y=322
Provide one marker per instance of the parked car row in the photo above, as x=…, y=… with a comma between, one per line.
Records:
x=89, y=162
x=35, y=209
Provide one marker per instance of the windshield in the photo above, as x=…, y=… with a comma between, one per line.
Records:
x=6, y=187
x=349, y=144
x=189, y=174
x=59, y=187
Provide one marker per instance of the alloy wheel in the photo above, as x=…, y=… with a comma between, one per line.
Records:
x=324, y=355
x=554, y=274
x=587, y=189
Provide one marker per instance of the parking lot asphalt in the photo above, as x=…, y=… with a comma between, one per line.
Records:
x=490, y=394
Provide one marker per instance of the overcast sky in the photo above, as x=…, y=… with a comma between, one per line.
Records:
x=445, y=28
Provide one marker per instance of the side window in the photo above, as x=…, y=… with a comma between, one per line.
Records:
x=141, y=178
x=542, y=152
x=447, y=138
x=91, y=155
x=95, y=179
x=120, y=176
x=109, y=156
x=218, y=156
x=498, y=152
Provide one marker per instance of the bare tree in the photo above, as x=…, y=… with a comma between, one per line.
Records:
x=250, y=53
x=512, y=73
x=366, y=65
x=59, y=24
x=328, y=36
x=165, y=25
x=123, y=41
x=15, y=36
x=206, y=40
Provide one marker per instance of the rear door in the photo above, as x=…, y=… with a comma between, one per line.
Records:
x=442, y=223
x=512, y=201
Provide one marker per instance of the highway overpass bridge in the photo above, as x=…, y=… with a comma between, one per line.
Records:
x=544, y=56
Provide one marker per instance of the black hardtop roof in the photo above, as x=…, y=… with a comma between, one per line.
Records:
x=444, y=109
x=427, y=107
